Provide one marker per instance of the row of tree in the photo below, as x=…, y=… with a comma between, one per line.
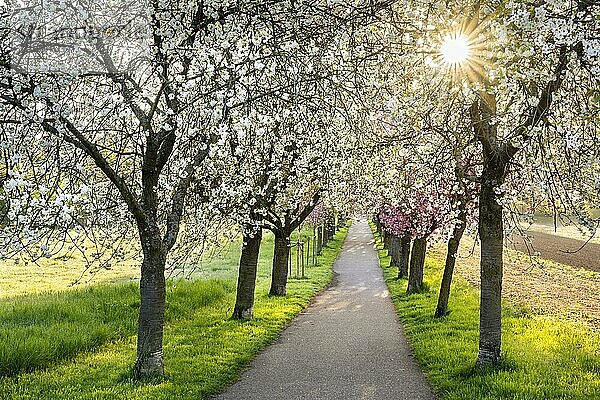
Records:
x=151, y=123
x=484, y=142
x=324, y=225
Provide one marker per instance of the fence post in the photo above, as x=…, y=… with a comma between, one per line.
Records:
x=290, y=258
x=302, y=258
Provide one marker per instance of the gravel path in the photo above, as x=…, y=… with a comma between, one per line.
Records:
x=347, y=345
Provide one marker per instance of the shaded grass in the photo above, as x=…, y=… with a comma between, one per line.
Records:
x=544, y=358
x=204, y=349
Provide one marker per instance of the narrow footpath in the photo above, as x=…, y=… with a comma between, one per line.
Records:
x=347, y=345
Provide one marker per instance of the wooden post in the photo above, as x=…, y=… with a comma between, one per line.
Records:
x=290, y=258
x=297, y=259
x=308, y=250
x=302, y=258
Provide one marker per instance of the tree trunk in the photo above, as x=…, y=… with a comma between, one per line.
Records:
x=404, y=257
x=387, y=239
x=496, y=157
x=453, y=243
x=417, y=263
x=394, y=251
x=319, y=240
x=377, y=223
x=149, y=363
x=343, y=220
x=244, y=301
x=281, y=256
x=491, y=233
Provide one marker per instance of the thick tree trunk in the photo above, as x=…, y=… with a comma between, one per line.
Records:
x=491, y=233
x=417, y=264
x=404, y=257
x=394, y=251
x=496, y=157
x=281, y=255
x=149, y=363
x=453, y=243
x=244, y=301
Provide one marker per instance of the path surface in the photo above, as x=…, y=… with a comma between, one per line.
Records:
x=346, y=345
x=563, y=250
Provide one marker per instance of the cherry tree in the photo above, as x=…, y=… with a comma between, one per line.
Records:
x=308, y=102
x=419, y=213
x=145, y=96
x=518, y=89
x=505, y=86
x=513, y=111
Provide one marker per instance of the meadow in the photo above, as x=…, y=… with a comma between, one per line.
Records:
x=79, y=343
x=544, y=356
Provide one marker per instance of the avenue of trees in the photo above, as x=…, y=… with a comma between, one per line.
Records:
x=153, y=123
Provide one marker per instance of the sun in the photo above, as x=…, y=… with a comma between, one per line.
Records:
x=463, y=50
x=455, y=49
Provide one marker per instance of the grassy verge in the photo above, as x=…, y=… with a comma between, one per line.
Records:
x=204, y=349
x=544, y=358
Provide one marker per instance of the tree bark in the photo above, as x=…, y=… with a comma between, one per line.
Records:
x=281, y=254
x=491, y=230
x=404, y=257
x=244, y=301
x=387, y=239
x=453, y=243
x=491, y=233
x=319, y=240
x=149, y=363
x=417, y=264
x=394, y=251
x=377, y=223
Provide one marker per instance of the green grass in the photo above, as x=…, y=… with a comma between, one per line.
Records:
x=38, y=330
x=59, y=273
x=544, y=358
x=81, y=345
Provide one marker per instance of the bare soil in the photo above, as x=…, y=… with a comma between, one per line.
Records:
x=561, y=249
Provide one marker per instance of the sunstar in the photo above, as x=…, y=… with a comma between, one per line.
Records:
x=455, y=49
